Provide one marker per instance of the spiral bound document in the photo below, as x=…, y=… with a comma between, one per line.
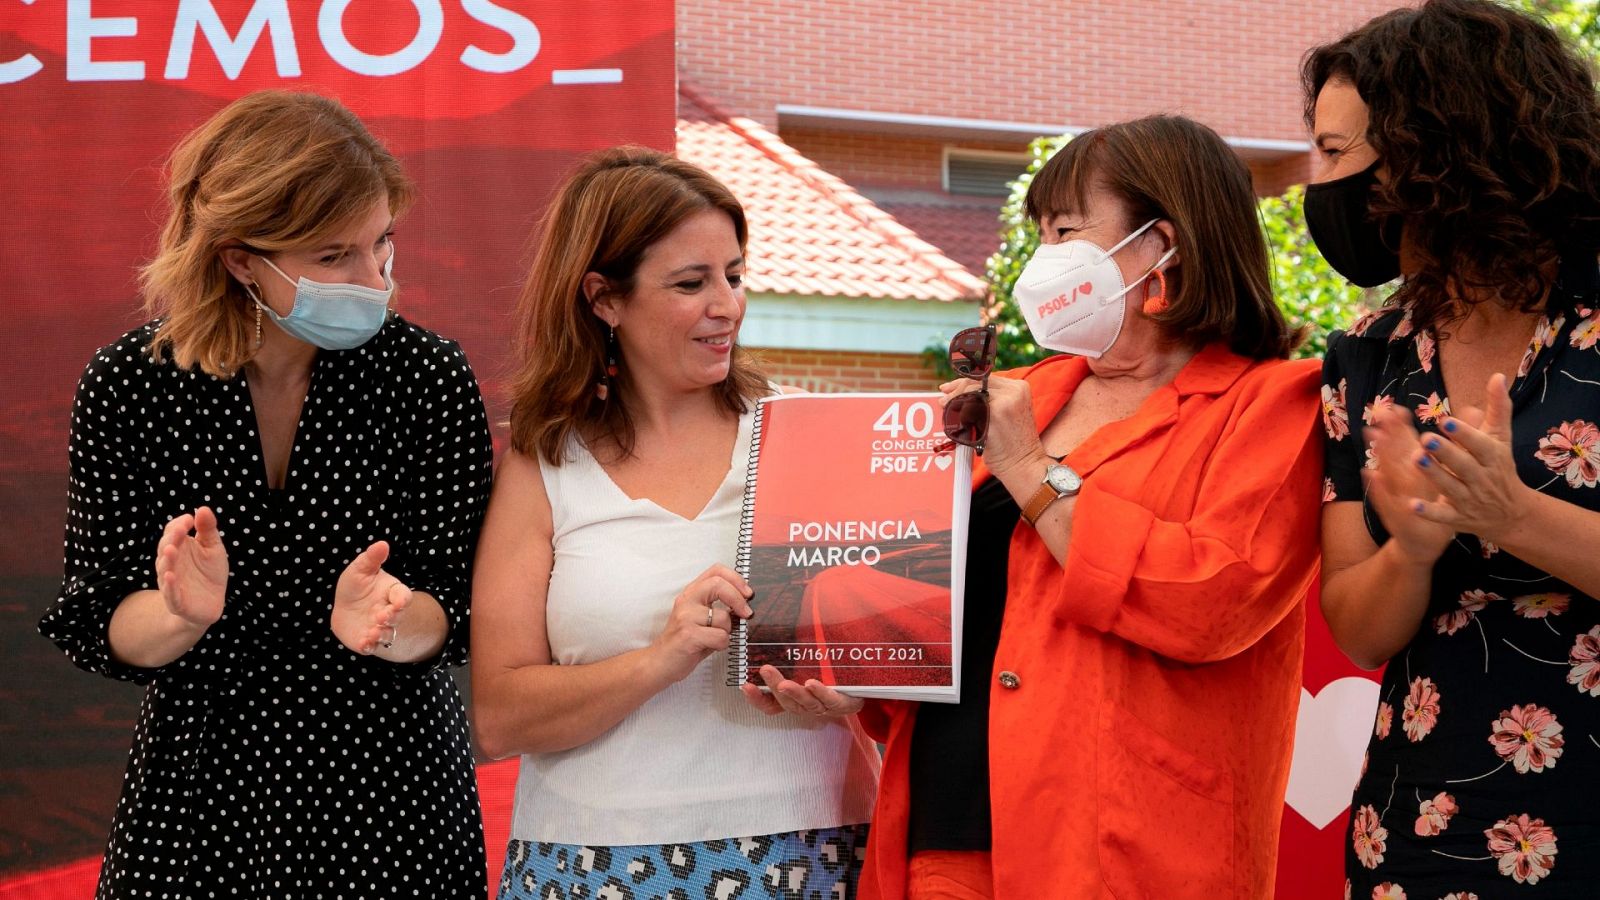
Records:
x=853, y=538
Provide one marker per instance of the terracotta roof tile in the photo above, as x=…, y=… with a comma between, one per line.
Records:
x=968, y=233
x=810, y=233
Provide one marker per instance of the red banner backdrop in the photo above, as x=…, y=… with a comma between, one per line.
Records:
x=485, y=103
x=1338, y=703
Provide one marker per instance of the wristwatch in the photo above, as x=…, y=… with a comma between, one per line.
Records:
x=1059, y=481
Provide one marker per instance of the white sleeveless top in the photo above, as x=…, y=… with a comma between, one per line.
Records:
x=695, y=762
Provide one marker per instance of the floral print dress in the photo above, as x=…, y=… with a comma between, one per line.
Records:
x=1482, y=775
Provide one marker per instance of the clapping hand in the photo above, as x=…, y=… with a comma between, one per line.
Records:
x=1397, y=483
x=192, y=569
x=368, y=602
x=1471, y=474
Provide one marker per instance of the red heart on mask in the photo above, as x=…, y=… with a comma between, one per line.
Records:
x=1086, y=287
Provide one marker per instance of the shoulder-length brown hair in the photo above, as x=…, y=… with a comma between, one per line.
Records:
x=1176, y=169
x=1487, y=123
x=274, y=170
x=608, y=212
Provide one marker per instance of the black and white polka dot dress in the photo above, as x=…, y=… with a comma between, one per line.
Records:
x=270, y=761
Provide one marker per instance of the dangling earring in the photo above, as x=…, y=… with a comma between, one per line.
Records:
x=252, y=293
x=1157, y=304
x=603, y=389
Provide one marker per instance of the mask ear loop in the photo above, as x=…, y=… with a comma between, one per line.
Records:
x=1153, y=270
x=274, y=266
x=1127, y=240
x=388, y=280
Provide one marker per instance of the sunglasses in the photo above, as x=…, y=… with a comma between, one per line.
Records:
x=966, y=416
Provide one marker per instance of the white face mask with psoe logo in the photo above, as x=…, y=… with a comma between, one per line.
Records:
x=1072, y=294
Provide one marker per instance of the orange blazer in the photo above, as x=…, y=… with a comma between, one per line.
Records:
x=1143, y=695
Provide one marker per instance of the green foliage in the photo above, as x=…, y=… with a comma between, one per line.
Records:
x=1019, y=236
x=1578, y=19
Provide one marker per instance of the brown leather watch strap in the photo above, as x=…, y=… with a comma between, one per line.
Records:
x=1039, y=502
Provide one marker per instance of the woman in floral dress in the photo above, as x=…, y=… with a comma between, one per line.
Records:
x=1459, y=145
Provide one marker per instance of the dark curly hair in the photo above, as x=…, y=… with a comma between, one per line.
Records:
x=1488, y=124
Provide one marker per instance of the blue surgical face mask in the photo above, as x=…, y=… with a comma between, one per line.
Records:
x=333, y=316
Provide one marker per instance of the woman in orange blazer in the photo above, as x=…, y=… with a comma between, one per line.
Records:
x=1147, y=520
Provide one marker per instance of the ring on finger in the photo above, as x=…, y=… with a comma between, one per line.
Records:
x=711, y=617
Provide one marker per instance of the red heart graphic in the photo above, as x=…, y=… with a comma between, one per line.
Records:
x=1086, y=287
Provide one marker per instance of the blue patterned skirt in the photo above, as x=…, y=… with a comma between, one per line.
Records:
x=823, y=864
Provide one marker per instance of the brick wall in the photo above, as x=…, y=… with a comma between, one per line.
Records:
x=1230, y=63
x=877, y=161
x=1276, y=177
x=881, y=160
x=832, y=371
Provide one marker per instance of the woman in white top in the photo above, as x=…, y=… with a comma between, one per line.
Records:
x=604, y=593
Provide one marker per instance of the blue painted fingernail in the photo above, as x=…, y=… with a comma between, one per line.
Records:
x=1417, y=506
x=1450, y=426
x=1423, y=462
x=1432, y=445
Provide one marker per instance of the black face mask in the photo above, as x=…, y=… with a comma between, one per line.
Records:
x=1362, y=250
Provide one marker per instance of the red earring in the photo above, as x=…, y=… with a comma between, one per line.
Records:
x=1157, y=304
x=602, y=390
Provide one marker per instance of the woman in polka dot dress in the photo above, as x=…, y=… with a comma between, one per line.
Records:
x=275, y=491
x=604, y=592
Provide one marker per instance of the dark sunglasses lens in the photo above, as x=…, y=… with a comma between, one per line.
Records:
x=972, y=351
x=966, y=419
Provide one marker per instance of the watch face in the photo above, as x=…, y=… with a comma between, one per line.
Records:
x=1063, y=479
